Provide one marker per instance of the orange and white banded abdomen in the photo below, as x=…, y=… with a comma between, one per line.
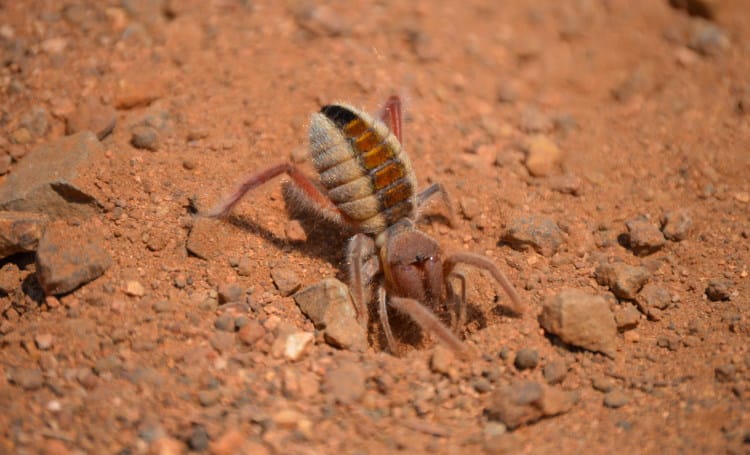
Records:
x=362, y=166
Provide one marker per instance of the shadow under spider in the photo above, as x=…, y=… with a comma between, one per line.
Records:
x=325, y=240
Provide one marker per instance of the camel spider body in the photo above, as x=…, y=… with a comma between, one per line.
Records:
x=367, y=183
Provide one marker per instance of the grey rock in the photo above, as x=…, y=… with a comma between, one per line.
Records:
x=93, y=116
x=526, y=359
x=580, y=319
x=555, y=371
x=329, y=306
x=707, y=38
x=225, y=323
x=622, y=279
x=198, y=440
x=525, y=402
x=718, y=290
x=51, y=178
x=69, y=256
x=676, y=224
x=20, y=232
x=145, y=137
x=534, y=231
x=644, y=237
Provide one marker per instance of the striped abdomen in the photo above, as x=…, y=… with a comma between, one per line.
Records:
x=361, y=164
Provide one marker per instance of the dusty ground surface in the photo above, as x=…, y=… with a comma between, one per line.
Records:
x=583, y=114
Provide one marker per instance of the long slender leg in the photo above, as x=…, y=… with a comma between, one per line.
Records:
x=383, y=313
x=360, y=251
x=458, y=317
x=391, y=115
x=428, y=322
x=483, y=262
x=307, y=191
x=428, y=194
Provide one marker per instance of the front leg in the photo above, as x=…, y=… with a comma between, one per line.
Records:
x=483, y=262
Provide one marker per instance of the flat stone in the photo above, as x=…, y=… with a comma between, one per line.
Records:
x=329, y=306
x=92, y=115
x=580, y=319
x=622, y=279
x=652, y=300
x=534, y=231
x=210, y=237
x=525, y=402
x=20, y=232
x=644, y=237
x=27, y=378
x=616, y=399
x=286, y=280
x=627, y=316
x=69, y=256
x=56, y=178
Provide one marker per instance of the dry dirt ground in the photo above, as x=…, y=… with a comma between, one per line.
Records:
x=565, y=132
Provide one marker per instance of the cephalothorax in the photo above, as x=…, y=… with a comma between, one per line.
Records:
x=367, y=183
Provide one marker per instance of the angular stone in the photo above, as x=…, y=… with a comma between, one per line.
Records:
x=676, y=224
x=525, y=402
x=624, y=280
x=644, y=237
x=69, y=256
x=534, y=231
x=56, y=178
x=329, y=306
x=580, y=319
x=652, y=300
x=20, y=232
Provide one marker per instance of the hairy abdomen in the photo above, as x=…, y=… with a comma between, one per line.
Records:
x=362, y=167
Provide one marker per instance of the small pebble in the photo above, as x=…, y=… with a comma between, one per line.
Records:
x=555, y=371
x=616, y=399
x=251, y=333
x=294, y=232
x=225, y=322
x=676, y=224
x=526, y=359
x=43, y=341
x=230, y=292
x=134, y=288
x=198, y=440
x=718, y=290
x=145, y=137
